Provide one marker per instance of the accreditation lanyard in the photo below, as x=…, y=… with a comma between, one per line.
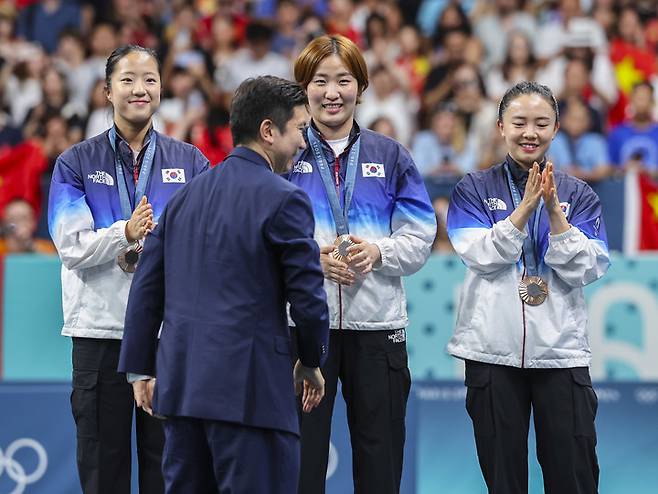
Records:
x=340, y=214
x=144, y=174
x=531, y=263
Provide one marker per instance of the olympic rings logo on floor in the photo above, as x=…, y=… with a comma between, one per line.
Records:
x=15, y=470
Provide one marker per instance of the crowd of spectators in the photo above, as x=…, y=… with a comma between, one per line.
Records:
x=437, y=69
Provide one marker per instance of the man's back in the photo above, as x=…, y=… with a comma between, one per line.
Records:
x=236, y=244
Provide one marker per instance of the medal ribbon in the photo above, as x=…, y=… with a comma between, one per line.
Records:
x=144, y=174
x=531, y=264
x=340, y=214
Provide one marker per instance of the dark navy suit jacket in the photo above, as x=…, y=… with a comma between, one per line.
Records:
x=230, y=249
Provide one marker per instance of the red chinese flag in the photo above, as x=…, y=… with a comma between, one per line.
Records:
x=648, y=231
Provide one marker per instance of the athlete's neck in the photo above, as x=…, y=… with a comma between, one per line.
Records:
x=335, y=133
x=134, y=135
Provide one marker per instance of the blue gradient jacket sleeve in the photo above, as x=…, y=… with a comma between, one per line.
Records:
x=71, y=223
x=484, y=246
x=413, y=223
x=580, y=256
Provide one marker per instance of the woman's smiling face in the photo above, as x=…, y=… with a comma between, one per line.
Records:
x=528, y=126
x=332, y=95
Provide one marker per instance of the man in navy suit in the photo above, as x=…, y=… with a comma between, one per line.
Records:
x=229, y=251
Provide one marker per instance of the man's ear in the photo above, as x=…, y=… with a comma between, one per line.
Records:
x=266, y=131
x=108, y=94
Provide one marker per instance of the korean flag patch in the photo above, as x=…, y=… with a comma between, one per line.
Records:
x=373, y=170
x=173, y=175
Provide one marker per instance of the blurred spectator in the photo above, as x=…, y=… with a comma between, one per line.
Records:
x=634, y=144
x=267, y=8
x=55, y=100
x=256, y=58
x=100, y=116
x=454, y=44
x=339, y=20
x=577, y=84
x=452, y=17
x=8, y=42
x=181, y=96
x=10, y=135
x=55, y=135
x=179, y=36
x=633, y=62
x=629, y=53
x=412, y=59
x=376, y=29
x=19, y=77
x=311, y=26
x=606, y=17
x=362, y=13
x=138, y=22
x=519, y=64
x=223, y=46
x=384, y=125
x=69, y=59
x=477, y=112
x=388, y=98
x=18, y=227
x=382, y=48
x=443, y=153
x=286, y=22
x=394, y=18
x=494, y=29
x=430, y=11
x=102, y=41
x=577, y=150
x=43, y=22
x=553, y=36
x=600, y=74
x=213, y=136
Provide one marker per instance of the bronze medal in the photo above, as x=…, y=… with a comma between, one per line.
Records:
x=533, y=290
x=128, y=260
x=342, y=243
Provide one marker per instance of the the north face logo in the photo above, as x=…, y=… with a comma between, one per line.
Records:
x=101, y=177
x=496, y=204
x=302, y=167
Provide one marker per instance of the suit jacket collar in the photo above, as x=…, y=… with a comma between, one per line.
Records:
x=248, y=154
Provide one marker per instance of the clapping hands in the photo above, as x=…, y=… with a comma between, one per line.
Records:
x=540, y=185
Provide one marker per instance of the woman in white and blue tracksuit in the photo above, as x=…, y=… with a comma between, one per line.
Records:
x=366, y=185
x=106, y=195
x=531, y=238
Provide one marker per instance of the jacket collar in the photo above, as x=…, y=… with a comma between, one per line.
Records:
x=248, y=154
x=126, y=152
x=354, y=134
x=519, y=174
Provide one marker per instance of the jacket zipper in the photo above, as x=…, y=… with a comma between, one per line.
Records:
x=340, y=291
x=524, y=328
